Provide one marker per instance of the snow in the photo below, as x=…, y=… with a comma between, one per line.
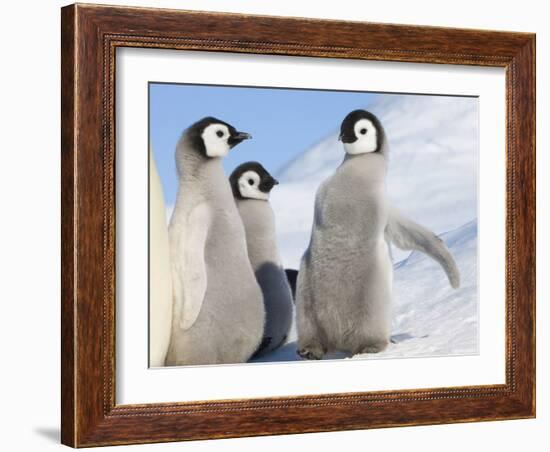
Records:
x=432, y=178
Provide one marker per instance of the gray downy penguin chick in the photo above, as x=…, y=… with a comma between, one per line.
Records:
x=251, y=185
x=344, y=286
x=218, y=312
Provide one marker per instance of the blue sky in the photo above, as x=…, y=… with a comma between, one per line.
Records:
x=283, y=122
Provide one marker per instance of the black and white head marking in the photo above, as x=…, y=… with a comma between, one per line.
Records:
x=213, y=137
x=251, y=181
x=361, y=132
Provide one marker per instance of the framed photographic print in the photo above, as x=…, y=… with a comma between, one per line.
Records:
x=282, y=225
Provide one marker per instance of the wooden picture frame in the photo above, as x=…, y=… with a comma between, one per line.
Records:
x=90, y=36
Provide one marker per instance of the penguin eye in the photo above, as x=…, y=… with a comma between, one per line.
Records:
x=363, y=131
x=219, y=133
x=250, y=181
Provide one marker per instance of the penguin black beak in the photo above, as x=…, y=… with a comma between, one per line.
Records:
x=268, y=183
x=237, y=137
x=340, y=137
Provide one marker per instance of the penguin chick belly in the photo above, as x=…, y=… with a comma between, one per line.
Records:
x=353, y=300
x=352, y=272
x=230, y=326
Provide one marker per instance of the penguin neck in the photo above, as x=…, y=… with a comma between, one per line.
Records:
x=259, y=224
x=380, y=153
x=206, y=169
x=258, y=217
x=372, y=160
x=200, y=179
x=193, y=166
x=251, y=204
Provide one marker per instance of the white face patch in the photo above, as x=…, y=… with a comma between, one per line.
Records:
x=249, y=186
x=366, y=134
x=215, y=138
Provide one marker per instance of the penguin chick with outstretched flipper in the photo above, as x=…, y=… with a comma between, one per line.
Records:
x=251, y=185
x=344, y=287
x=218, y=312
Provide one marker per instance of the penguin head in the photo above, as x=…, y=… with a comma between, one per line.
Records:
x=361, y=132
x=213, y=137
x=251, y=181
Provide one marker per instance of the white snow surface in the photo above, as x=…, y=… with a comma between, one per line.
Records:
x=432, y=179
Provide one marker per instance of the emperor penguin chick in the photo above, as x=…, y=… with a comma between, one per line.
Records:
x=344, y=286
x=251, y=185
x=218, y=307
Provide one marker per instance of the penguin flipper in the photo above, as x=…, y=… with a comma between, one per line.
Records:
x=192, y=277
x=408, y=235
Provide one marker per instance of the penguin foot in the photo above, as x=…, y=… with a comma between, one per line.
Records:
x=310, y=353
x=374, y=348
